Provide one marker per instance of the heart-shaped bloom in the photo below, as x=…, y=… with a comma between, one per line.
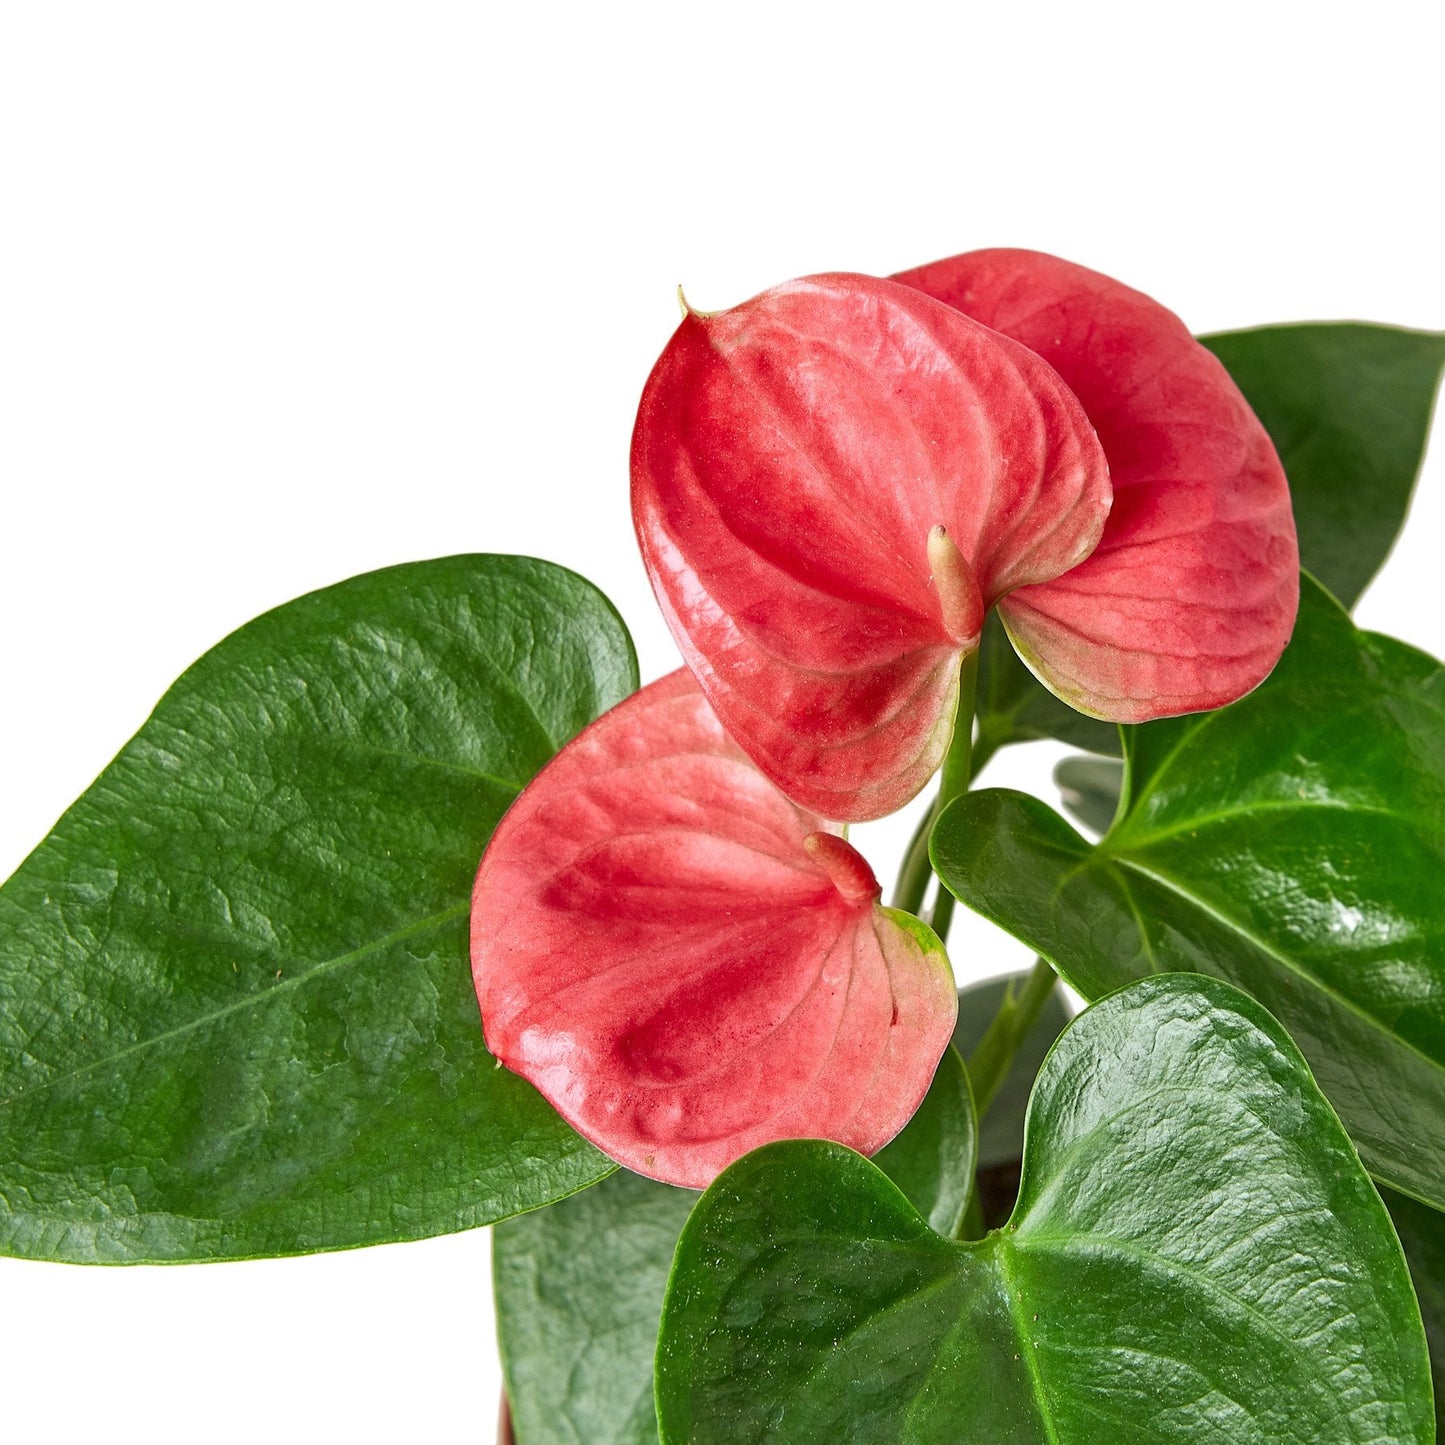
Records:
x=688, y=965
x=831, y=484
x=1190, y=596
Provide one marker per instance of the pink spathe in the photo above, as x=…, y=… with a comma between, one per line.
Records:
x=793, y=462
x=1190, y=596
x=687, y=964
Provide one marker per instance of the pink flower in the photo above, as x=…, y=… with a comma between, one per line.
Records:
x=833, y=482
x=688, y=965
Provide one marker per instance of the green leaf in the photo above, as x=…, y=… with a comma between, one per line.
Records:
x=1422, y=1233
x=1196, y=1255
x=236, y=1011
x=1348, y=408
x=1012, y=706
x=1001, y=1131
x=1292, y=843
x=579, y=1293
x=579, y=1286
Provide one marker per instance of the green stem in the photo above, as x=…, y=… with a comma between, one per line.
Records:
x=957, y=775
x=917, y=870
x=989, y=1063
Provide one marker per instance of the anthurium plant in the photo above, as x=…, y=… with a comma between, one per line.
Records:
x=408, y=911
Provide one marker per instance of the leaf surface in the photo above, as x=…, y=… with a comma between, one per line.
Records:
x=1196, y=1254
x=687, y=964
x=580, y=1285
x=1348, y=406
x=1294, y=844
x=235, y=1011
x=1422, y=1233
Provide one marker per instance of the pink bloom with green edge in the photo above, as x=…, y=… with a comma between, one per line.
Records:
x=1190, y=596
x=687, y=964
x=831, y=483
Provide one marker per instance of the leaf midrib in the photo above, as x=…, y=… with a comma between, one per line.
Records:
x=1026, y=1347
x=254, y=1000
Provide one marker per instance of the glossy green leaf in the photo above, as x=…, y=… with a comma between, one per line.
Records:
x=1196, y=1255
x=1293, y=843
x=579, y=1293
x=579, y=1286
x=236, y=1009
x=1422, y=1233
x=1347, y=406
x=1001, y=1130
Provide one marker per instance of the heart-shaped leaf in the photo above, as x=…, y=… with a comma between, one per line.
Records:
x=687, y=964
x=1348, y=405
x=1188, y=599
x=1293, y=843
x=831, y=483
x=1196, y=1254
x=235, y=1012
x=579, y=1285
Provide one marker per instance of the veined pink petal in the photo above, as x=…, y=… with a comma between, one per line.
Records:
x=1190, y=596
x=687, y=964
x=791, y=460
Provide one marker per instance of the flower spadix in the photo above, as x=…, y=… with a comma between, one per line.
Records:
x=831, y=484
x=687, y=964
x=1190, y=596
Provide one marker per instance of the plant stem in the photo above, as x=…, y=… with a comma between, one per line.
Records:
x=989, y=1063
x=917, y=870
x=957, y=775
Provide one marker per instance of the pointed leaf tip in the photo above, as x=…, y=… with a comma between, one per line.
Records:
x=686, y=964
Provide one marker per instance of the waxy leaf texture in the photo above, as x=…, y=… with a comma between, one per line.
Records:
x=1188, y=599
x=1293, y=843
x=579, y=1285
x=831, y=484
x=1196, y=1254
x=235, y=1011
x=687, y=964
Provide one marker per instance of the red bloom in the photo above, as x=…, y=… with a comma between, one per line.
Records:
x=686, y=964
x=1190, y=597
x=831, y=484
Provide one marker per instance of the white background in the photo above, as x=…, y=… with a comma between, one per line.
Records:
x=289, y=292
